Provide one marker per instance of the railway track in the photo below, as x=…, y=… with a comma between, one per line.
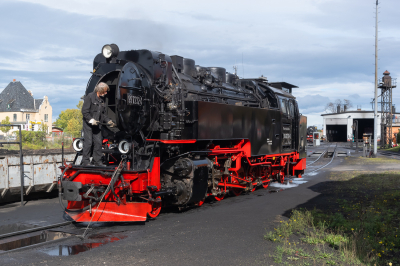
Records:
x=33, y=237
x=328, y=153
x=322, y=154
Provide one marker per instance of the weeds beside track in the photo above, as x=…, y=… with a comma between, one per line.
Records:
x=358, y=224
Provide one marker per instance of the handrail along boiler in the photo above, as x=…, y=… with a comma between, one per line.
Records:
x=184, y=133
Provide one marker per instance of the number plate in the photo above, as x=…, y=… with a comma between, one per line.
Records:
x=134, y=100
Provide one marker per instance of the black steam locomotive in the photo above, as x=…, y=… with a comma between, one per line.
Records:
x=185, y=133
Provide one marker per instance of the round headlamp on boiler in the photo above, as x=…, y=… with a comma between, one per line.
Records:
x=110, y=51
x=124, y=146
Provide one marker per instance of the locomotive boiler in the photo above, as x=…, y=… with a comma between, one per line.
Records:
x=184, y=133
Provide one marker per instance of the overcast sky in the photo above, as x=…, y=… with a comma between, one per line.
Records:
x=326, y=47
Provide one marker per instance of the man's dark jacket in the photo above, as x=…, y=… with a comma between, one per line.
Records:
x=94, y=107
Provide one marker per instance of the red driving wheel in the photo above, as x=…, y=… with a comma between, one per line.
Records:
x=235, y=190
x=281, y=177
x=265, y=184
x=220, y=197
x=201, y=202
x=265, y=177
x=252, y=176
x=155, y=208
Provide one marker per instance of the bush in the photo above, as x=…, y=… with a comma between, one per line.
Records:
x=33, y=137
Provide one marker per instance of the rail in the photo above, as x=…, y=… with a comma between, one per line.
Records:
x=333, y=156
x=318, y=157
x=34, y=229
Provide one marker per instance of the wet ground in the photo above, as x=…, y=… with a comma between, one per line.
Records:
x=229, y=232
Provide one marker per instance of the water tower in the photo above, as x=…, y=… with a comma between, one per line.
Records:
x=386, y=84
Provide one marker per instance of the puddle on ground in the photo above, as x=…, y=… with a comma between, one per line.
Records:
x=29, y=239
x=275, y=190
x=68, y=250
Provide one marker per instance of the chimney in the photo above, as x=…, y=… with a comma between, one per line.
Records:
x=30, y=92
x=338, y=109
x=345, y=107
x=14, y=80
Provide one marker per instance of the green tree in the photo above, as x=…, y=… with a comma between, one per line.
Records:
x=74, y=127
x=79, y=105
x=70, y=114
x=5, y=122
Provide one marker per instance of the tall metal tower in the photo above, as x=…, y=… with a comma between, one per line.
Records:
x=386, y=85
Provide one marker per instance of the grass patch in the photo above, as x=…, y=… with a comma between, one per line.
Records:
x=394, y=149
x=360, y=226
x=369, y=161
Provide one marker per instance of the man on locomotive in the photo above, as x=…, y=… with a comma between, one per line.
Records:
x=94, y=116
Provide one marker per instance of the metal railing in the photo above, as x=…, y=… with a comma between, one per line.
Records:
x=21, y=162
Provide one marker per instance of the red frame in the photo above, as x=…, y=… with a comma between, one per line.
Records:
x=141, y=205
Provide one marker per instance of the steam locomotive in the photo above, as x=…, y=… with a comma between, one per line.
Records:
x=184, y=133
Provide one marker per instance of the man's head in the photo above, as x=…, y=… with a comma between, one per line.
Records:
x=101, y=89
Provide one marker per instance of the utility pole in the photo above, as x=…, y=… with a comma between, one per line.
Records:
x=376, y=85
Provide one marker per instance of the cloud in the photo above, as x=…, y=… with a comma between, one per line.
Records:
x=312, y=101
x=323, y=46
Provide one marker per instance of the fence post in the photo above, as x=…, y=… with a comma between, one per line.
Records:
x=21, y=163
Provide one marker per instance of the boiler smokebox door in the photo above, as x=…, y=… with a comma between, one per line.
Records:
x=129, y=99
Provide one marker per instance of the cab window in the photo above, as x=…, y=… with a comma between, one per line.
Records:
x=283, y=105
x=291, y=108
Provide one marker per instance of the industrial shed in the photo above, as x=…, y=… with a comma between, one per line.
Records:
x=337, y=127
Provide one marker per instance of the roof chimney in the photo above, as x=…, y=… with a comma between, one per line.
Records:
x=14, y=80
x=30, y=92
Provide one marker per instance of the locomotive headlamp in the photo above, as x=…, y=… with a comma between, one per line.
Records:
x=78, y=144
x=110, y=50
x=124, y=146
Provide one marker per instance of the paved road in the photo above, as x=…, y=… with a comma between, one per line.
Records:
x=229, y=232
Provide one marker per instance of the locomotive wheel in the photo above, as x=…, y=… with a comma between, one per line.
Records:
x=220, y=197
x=281, y=177
x=253, y=176
x=237, y=191
x=155, y=208
x=265, y=176
x=201, y=202
x=266, y=184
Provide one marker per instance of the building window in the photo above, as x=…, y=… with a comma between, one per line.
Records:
x=15, y=117
x=28, y=116
x=46, y=118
